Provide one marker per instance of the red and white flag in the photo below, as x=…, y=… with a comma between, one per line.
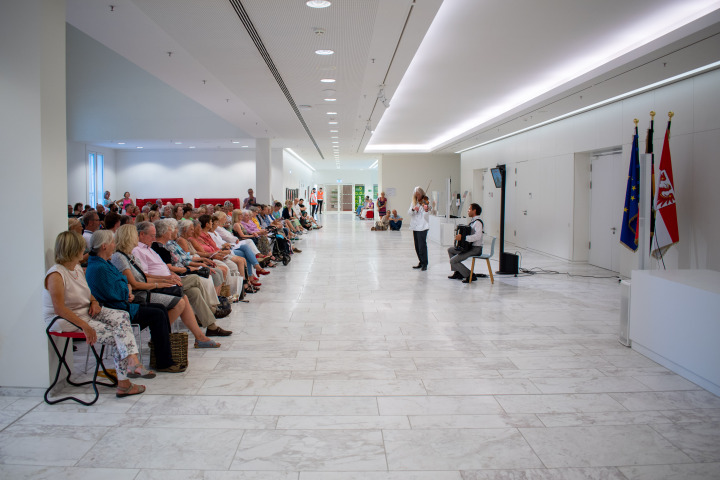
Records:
x=666, y=222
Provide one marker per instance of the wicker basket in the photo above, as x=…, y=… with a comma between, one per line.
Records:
x=178, y=349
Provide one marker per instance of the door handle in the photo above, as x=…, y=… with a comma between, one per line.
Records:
x=613, y=230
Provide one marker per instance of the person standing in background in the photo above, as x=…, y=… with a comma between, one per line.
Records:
x=320, y=198
x=125, y=202
x=250, y=201
x=313, y=203
x=382, y=205
x=106, y=202
x=419, y=225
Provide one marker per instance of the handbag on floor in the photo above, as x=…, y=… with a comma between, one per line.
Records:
x=178, y=349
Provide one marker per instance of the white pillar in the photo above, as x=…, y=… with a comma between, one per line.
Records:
x=263, y=170
x=34, y=180
x=277, y=191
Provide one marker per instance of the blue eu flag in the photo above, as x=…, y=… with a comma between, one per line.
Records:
x=631, y=211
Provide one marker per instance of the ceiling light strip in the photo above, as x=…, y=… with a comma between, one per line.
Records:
x=291, y=152
x=247, y=23
x=387, y=72
x=623, y=96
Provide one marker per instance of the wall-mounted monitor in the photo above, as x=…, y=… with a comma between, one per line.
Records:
x=497, y=177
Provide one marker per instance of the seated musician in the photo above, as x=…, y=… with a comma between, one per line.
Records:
x=458, y=254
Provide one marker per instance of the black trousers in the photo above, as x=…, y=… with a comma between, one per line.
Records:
x=320, y=202
x=155, y=316
x=313, y=210
x=420, y=238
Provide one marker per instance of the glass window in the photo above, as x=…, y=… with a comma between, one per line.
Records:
x=91, y=178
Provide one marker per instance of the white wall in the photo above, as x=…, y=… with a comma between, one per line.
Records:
x=295, y=174
x=77, y=164
x=187, y=174
x=32, y=135
x=349, y=177
x=548, y=156
x=110, y=98
x=404, y=172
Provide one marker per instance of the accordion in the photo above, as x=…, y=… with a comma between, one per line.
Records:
x=464, y=231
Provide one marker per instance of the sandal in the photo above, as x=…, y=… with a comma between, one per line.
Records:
x=207, y=344
x=176, y=368
x=140, y=371
x=131, y=390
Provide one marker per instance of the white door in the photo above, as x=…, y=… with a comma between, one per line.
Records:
x=522, y=182
x=607, y=197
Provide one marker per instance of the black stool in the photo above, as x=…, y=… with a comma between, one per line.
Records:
x=61, y=358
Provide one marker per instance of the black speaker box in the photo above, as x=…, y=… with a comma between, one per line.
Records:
x=509, y=264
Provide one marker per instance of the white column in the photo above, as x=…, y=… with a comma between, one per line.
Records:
x=277, y=191
x=263, y=170
x=34, y=180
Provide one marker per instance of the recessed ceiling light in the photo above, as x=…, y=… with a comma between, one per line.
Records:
x=305, y=107
x=121, y=143
x=244, y=146
x=330, y=99
x=318, y=3
x=332, y=123
x=334, y=136
x=191, y=147
x=331, y=113
x=334, y=131
x=327, y=80
x=335, y=141
x=324, y=52
x=138, y=147
x=178, y=143
x=235, y=141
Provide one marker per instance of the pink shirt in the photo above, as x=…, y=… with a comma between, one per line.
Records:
x=150, y=261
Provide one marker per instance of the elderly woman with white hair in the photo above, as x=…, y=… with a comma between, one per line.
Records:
x=205, y=246
x=222, y=238
x=186, y=231
x=67, y=295
x=167, y=232
x=198, y=289
x=141, y=279
x=111, y=288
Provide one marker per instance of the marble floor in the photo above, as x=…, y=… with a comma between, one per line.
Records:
x=351, y=365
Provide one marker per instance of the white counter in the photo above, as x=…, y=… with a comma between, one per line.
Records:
x=442, y=230
x=675, y=321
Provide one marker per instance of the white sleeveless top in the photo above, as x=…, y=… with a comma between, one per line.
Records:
x=77, y=297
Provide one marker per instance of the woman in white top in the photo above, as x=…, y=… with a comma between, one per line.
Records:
x=67, y=295
x=419, y=225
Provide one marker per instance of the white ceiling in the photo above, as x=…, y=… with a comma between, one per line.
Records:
x=452, y=71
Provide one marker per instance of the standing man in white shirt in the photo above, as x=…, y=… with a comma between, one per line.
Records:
x=457, y=255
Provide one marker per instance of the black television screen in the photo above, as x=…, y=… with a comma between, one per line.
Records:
x=497, y=177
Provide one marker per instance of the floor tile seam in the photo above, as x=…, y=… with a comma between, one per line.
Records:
x=652, y=426
x=237, y=450
x=21, y=415
x=527, y=442
x=91, y=447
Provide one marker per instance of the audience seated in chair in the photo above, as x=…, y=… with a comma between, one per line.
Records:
x=67, y=294
x=111, y=289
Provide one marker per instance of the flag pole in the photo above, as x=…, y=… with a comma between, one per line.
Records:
x=660, y=250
